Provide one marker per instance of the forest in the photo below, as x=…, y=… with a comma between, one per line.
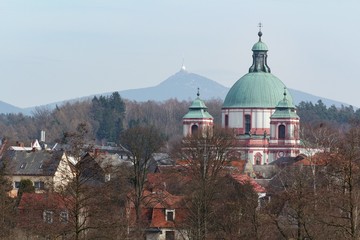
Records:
x=107, y=116
x=301, y=199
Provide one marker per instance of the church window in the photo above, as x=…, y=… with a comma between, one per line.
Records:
x=281, y=131
x=258, y=158
x=194, y=129
x=226, y=120
x=247, y=123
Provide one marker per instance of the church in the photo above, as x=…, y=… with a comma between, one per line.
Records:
x=260, y=111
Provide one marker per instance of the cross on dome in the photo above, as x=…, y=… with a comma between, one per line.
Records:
x=260, y=33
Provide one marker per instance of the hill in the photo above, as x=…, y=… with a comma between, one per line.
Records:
x=182, y=85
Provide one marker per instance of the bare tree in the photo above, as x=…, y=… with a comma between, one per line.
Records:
x=205, y=154
x=81, y=191
x=141, y=142
x=341, y=201
x=7, y=206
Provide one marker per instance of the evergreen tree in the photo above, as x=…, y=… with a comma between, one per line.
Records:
x=109, y=112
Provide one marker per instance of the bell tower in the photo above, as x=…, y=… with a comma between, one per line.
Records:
x=284, y=131
x=197, y=118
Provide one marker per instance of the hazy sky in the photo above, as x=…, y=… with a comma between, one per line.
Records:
x=52, y=50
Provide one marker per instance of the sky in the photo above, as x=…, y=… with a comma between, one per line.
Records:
x=63, y=49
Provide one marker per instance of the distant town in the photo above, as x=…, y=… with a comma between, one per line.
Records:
x=254, y=165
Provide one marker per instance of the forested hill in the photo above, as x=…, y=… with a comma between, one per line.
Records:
x=181, y=85
x=107, y=116
x=319, y=113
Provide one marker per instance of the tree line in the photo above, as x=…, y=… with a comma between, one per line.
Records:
x=106, y=117
x=316, y=113
x=323, y=194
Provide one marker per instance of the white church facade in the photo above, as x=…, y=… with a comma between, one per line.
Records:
x=260, y=111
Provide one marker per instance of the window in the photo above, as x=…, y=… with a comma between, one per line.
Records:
x=258, y=158
x=247, y=123
x=170, y=215
x=107, y=177
x=23, y=166
x=281, y=131
x=226, y=120
x=48, y=216
x=17, y=185
x=64, y=217
x=39, y=185
x=194, y=129
x=170, y=235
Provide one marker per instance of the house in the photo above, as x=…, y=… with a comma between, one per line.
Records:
x=43, y=216
x=162, y=215
x=245, y=179
x=159, y=159
x=111, y=164
x=46, y=169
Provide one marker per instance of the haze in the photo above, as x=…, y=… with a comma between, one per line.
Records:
x=61, y=49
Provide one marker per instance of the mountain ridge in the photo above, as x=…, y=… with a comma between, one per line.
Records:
x=182, y=85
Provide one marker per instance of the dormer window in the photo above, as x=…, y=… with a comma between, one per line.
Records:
x=170, y=215
x=23, y=166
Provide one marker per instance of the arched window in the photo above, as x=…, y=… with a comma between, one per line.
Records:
x=257, y=159
x=226, y=120
x=281, y=131
x=247, y=123
x=194, y=129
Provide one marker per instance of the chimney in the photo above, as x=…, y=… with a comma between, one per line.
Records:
x=42, y=136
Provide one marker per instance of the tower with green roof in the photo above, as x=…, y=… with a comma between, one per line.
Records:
x=284, y=130
x=250, y=103
x=197, y=118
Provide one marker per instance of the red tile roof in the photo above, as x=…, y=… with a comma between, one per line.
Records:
x=245, y=179
x=319, y=159
x=42, y=201
x=154, y=206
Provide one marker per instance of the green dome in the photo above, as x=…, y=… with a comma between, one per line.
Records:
x=197, y=109
x=256, y=90
x=285, y=109
x=198, y=104
x=260, y=46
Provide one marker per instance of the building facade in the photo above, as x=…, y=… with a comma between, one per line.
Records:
x=197, y=118
x=260, y=111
